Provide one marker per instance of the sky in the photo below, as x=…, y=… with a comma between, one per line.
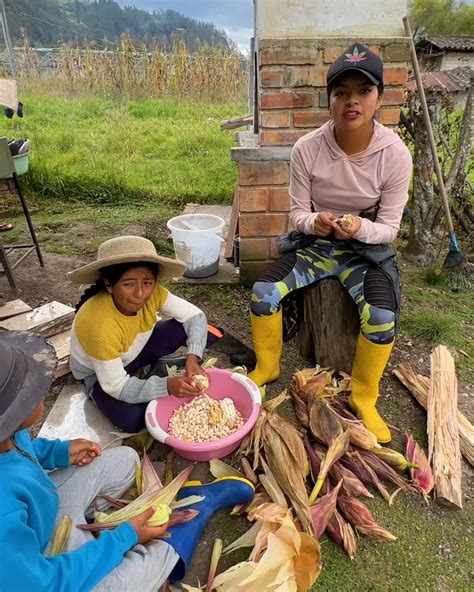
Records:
x=234, y=16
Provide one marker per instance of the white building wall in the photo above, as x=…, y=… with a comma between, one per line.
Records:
x=300, y=19
x=457, y=59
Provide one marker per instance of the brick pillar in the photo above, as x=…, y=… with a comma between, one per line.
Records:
x=263, y=178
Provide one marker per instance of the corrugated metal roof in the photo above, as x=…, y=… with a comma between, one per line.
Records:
x=449, y=42
x=436, y=81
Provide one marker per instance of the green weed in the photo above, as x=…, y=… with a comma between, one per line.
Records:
x=433, y=326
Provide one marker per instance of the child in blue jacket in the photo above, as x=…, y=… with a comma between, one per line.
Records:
x=41, y=481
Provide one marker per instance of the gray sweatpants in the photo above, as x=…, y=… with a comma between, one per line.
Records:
x=143, y=568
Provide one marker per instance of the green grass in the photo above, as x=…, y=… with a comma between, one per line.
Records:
x=438, y=315
x=433, y=552
x=122, y=151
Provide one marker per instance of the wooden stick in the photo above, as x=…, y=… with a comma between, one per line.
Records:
x=418, y=386
x=443, y=431
x=237, y=122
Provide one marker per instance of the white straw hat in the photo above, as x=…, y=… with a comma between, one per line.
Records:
x=127, y=249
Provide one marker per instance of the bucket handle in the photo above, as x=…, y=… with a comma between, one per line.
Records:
x=190, y=226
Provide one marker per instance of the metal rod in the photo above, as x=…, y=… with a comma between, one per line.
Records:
x=429, y=127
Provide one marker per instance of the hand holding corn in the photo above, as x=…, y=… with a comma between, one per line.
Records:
x=323, y=225
x=144, y=531
x=346, y=226
x=82, y=452
x=183, y=386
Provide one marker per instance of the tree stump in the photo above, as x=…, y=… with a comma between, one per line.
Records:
x=330, y=325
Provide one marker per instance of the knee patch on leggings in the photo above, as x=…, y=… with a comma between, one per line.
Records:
x=265, y=295
x=377, y=324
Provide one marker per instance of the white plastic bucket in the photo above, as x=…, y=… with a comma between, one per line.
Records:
x=197, y=242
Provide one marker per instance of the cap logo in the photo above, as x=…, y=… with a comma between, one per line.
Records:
x=355, y=56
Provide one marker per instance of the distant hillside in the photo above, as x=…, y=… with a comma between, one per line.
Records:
x=50, y=22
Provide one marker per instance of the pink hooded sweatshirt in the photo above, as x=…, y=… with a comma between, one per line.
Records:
x=324, y=176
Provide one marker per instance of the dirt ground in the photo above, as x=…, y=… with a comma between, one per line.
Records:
x=39, y=285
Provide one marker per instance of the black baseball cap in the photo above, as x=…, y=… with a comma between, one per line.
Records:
x=359, y=58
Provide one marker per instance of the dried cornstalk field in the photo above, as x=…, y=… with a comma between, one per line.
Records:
x=211, y=73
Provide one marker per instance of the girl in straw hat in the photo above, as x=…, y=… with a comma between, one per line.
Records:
x=116, y=333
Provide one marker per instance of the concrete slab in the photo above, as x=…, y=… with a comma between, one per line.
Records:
x=74, y=416
x=227, y=272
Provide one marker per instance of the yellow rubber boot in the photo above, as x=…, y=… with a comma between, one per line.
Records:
x=369, y=364
x=267, y=334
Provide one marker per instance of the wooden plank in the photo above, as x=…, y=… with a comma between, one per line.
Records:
x=61, y=343
x=443, y=431
x=38, y=318
x=62, y=369
x=233, y=226
x=13, y=308
x=418, y=386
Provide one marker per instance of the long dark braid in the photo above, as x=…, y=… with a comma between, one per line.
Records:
x=112, y=275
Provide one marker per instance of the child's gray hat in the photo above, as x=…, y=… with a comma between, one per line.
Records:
x=27, y=365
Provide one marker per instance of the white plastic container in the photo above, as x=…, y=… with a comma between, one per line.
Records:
x=197, y=242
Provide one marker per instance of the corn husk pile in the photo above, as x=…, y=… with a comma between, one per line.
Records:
x=310, y=479
x=148, y=492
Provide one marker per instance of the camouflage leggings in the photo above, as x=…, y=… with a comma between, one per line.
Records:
x=321, y=260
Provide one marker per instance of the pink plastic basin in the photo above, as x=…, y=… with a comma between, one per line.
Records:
x=223, y=383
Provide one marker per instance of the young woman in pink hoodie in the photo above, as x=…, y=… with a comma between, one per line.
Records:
x=351, y=165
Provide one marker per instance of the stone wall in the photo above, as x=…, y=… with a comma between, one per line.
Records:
x=292, y=101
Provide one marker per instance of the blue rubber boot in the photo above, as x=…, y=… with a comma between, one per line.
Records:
x=221, y=493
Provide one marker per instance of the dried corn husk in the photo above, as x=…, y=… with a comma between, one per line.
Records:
x=270, y=516
x=315, y=386
x=285, y=455
x=61, y=536
x=271, y=486
x=154, y=496
x=314, y=461
x=216, y=555
x=323, y=509
x=259, y=498
x=169, y=468
x=324, y=423
x=422, y=475
x=219, y=469
x=352, y=484
x=286, y=458
x=359, y=435
x=290, y=563
x=359, y=464
x=337, y=449
x=342, y=533
x=394, y=459
x=386, y=473
x=359, y=515
x=248, y=471
x=149, y=476
x=246, y=540
x=301, y=409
